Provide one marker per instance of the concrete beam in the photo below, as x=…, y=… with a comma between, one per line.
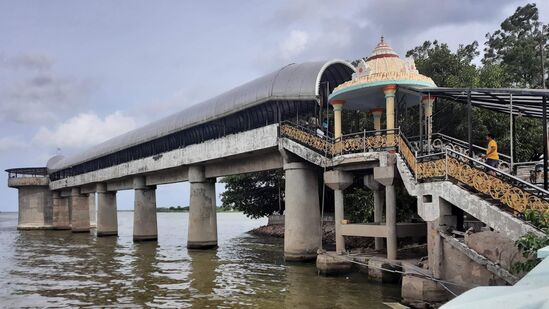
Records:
x=263, y=162
x=385, y=175
x=179, y=174
x=260, y=139
x=338, y=180
x=364, y=230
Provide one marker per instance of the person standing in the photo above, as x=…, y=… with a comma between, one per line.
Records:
x=492, y=156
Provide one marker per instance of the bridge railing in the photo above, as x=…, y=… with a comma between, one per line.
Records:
x=477, y=176
x=357, y=142
x=444, y=163
x=27, y=172
x=439, y=142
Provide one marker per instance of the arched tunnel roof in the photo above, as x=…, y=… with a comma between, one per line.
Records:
x=294, y=82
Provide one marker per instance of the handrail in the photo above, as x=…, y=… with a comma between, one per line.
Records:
x=497, y=171
x=509, y=190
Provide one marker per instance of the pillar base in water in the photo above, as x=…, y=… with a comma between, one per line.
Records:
x=61, y=228
x=145, y=237
x=299, y=257
x=33, y=227
x=81, y=230
x=330, y=264
x=201, y=244
x=106, y=233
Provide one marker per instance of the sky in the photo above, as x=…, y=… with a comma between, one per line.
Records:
x=74, y=73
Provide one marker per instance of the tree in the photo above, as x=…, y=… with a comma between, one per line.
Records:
x=257, y=194
x=517, y=47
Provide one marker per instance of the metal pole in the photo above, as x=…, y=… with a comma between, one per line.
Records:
x=469, y=123
x=420, y=126
x=545, y=142
x=511, y=127
x=542, y=46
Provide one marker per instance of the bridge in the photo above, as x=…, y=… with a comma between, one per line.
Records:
x=291, y=119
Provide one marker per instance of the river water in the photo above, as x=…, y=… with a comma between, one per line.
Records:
x=61, y=269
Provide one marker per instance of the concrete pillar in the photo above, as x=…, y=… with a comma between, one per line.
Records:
x=390, y=218
x=338, y=181
x=80, y=219
x=61, y=217
x=202, y=211
x=302, y=229
x=144, y=212
x=107, y=217
x=379, y=201
x=33, y=201
x=377, y=112
x=93, y=210
x=389, y=92
x=385, y=175
x=338, y=107
x=427, y=102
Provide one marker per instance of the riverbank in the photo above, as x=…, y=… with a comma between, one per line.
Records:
x=328, y=236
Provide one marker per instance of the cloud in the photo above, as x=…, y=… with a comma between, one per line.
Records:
x=83, y=130
x=32, y=92
x=294, y=44
x=10, y=143
x=32, y=62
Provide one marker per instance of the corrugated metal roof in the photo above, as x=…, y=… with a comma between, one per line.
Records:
x=299, y=82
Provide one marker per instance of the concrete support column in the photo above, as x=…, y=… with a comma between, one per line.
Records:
x=377, y=112
x=385, y=175
x=427, y=102
x=302, y=229
x=389, y=92
x=61, y=217
x=80, y=218
x=202, y=211
x=93, y=209
x=338, y=107
x=107, y=217
x=144, y=211
x=35, y=202
x=338, y=181
x=390, y=218
x=379, y=201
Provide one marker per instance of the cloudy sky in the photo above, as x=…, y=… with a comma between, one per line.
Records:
x=75, y=73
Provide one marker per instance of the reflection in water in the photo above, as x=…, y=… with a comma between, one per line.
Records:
x=61, y=269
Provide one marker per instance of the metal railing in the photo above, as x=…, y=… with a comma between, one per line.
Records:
x=358, y=142
x=27, y=172
x=443, y=163
x=441, y=141
x=477, y=176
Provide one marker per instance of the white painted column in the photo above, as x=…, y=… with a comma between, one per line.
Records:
x=80, y=213
x=302, y=230
x=202, y=211
x=144, y=212
x=107, y=216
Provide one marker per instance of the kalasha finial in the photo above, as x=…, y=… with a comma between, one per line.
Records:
x=382, y=39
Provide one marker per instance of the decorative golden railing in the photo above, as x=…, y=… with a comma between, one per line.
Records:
x=508, y=190
x=350, y=143
x=447, y=164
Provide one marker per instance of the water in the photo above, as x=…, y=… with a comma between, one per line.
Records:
x=61, y=269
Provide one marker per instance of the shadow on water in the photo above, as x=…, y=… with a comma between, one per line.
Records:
x=62, y=269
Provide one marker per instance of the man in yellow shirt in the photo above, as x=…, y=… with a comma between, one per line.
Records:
x=492, y=156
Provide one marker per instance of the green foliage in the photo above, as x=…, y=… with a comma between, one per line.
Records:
x=537, y=218
x=517, y=47
x=359, y=205
x=255, y=194
x=528, y=245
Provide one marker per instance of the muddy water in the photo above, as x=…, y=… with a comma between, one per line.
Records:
x=61, y=269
